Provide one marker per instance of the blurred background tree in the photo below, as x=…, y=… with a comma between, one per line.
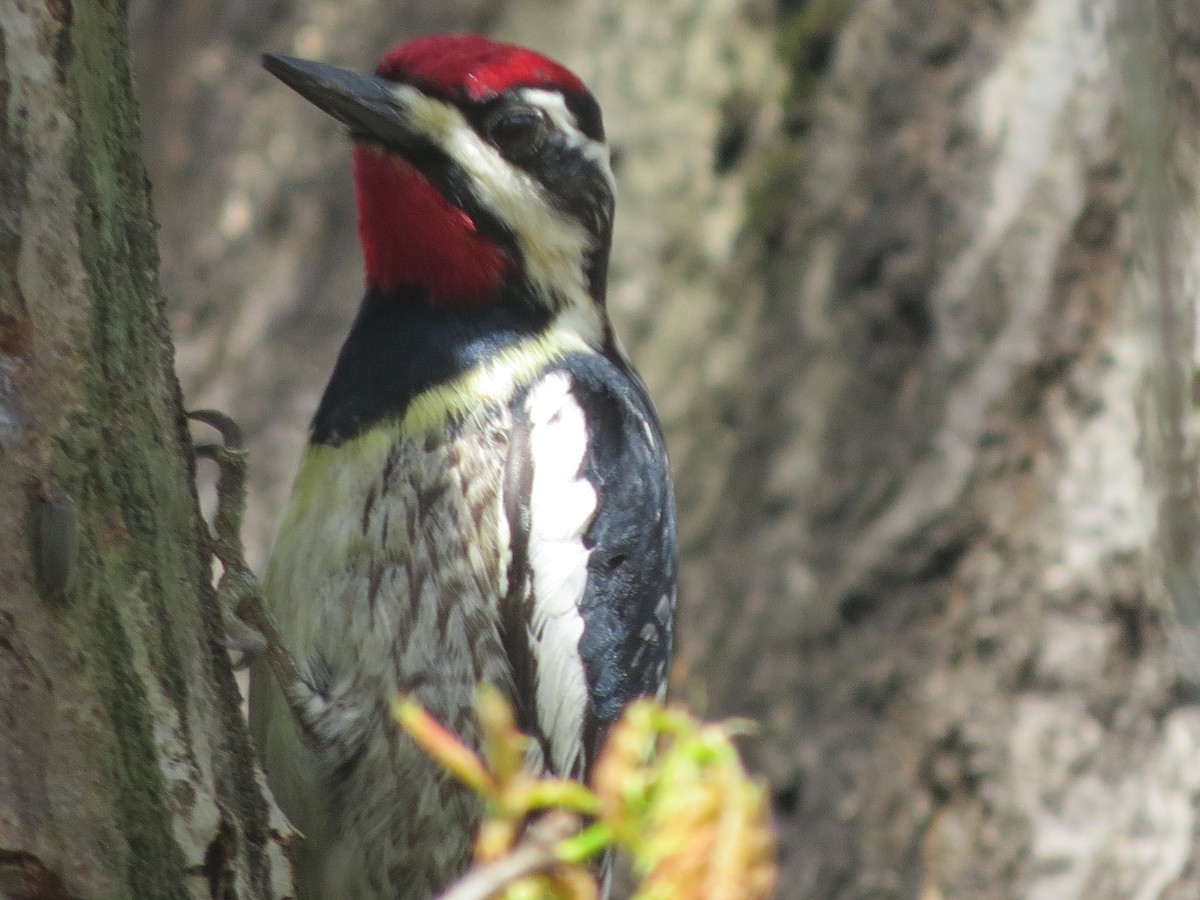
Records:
x=913, y=284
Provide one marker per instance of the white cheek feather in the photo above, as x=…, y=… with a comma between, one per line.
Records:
x=552, y=244
x=561, y=506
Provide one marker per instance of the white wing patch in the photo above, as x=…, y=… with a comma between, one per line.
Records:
x=561, y=506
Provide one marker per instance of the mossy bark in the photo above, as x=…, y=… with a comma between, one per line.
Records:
x=124, y=765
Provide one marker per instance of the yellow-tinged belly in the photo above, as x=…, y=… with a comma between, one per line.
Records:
x=385, y=578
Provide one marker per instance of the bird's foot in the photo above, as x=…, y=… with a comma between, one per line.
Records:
x=249, y=627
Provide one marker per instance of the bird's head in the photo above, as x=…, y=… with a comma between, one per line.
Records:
x=481, y=174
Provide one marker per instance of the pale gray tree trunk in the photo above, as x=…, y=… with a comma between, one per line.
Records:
x=125, y=769
x=932, y=570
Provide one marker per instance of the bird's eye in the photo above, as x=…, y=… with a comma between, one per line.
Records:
x=519, y=133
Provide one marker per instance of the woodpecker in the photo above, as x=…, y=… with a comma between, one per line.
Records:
x=485, y=495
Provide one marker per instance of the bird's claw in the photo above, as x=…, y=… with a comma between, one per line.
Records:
x=226, y=535
x=249, y=627
x=230, y=457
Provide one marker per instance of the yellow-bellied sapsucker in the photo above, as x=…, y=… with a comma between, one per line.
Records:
x=485, y=494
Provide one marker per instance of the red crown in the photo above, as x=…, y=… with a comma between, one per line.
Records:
x=473, y=67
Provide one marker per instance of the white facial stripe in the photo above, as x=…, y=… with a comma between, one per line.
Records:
x=555, y=107
x=553, y=245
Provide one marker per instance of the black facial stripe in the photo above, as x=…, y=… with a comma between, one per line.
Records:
x=426, y=156
x=561, y=165
x=586, y=111
x=452, y=180
x=575, y=182
x=579, y=189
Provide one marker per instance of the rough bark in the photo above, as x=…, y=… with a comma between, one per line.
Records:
x=125, y=768
x=933, y=555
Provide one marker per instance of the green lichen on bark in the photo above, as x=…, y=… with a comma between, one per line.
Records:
x=808, y=32
x=151, y=622
x=806, y=40
x=133, y=505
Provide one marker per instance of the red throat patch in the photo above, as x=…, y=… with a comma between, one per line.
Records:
x=412, y=236
x=467, y=65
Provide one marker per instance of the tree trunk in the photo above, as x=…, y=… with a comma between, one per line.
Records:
x=125, y=769
x=930, y=569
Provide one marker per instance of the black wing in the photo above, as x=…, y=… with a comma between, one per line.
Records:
x=589, y=616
